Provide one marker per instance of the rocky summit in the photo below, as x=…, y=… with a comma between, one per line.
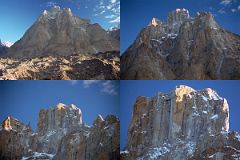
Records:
x=74, y=67
x=183, y=124
x=59, y=32
x=60, y=45
x=184, y=47
x=60, y=134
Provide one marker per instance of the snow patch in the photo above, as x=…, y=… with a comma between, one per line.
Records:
x=204, y=98
x=196, y=114
x=205, y=112
x=38, y=156
x=190, y=146
x=124, y=152
x=238, y=137
x=156, y=152
x=143, y=115
x=214, y=117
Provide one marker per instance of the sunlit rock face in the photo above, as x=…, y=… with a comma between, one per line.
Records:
x=101, y=141
x=14, y=139
x=81, y=67
x=53, y=124
x=183, y=124
x=60, y=134
x=61, y=117
x=184, y=47
x=59, y=32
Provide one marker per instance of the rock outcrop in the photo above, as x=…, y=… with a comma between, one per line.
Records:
x=115, y=33
x=183, y=48
x=14, y=139
x=3, y=49
x=59, y=32
x=60, y=134
x=184, y=124
x=99, y=142
x=74, y=67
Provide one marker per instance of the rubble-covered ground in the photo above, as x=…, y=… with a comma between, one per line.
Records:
x=73, y=67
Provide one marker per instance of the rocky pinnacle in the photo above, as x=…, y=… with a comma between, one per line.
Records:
x=61, y=134
x=184, y=47
x=183, y=124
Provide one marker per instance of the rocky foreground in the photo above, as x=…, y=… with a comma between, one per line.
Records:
x=74, y=67
x=61, y=134
x=183, y=125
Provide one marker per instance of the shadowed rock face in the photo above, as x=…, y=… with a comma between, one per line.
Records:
x=74, y=67
x=183, y=48
x=60, y=135
x=59, y=32
x=3, y=49
x=115, y=34
x=184, y=124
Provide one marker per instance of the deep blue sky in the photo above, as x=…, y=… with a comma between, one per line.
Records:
x=24, y=99
x=16, y=16
x=130, y=90
x=136, y=14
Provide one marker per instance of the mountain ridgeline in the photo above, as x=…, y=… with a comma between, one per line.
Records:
x=183, y=124
x=183, y=48
x=60, y=134
x=61, y=46
x=59, y=32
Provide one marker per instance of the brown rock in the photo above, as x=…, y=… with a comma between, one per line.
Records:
x=74, y=67
x=183, y=48
x=184, y=124
x=59, y=32
x=14, y=137
x=61, y=135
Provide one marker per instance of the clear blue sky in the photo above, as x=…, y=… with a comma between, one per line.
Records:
x=24, y=99
x=136, y=14
x=130, y=90
x=16, y=16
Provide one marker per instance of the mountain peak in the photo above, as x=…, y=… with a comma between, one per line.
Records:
x=60, y=135
x=178, y=126
x=206, y=18
x=60, y=106
x=68, y=11
x=11, y=123
x=154, y=22
x=177, y=18
x=54, y=12
x=59, y=32
x=56, y=9
x=7, y=123
x=184, y=88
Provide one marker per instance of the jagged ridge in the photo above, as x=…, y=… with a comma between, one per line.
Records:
x=183, y=48
x=184, y=124
x=59, y=32
x=60, y=135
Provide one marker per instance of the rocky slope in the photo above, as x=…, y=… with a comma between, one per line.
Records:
x=183, y=48
x=184, y=124
x=115, y=33
x=99, y=66
x=3, y=49
x=59, y=32
x=60, y=134
x=60, y=45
